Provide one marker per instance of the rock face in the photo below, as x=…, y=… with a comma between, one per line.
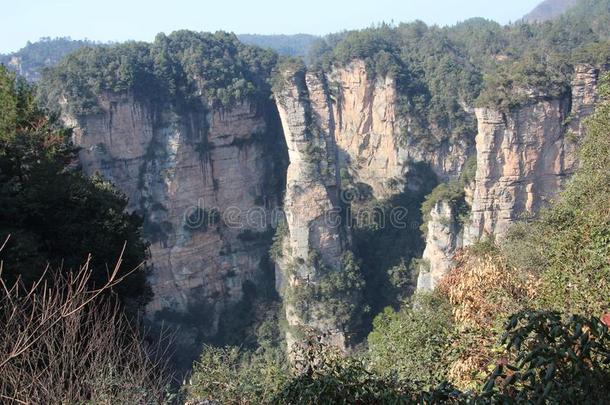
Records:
x=205, y=182
x=442, y=241
x=345, y=121
x=316, y=238
x=367, y=130
x=524, y=156
x=364, y=114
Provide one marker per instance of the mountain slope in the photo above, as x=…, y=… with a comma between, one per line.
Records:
x=32, y=58
x=548, y=10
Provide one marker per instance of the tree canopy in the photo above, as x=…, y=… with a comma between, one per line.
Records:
x=53, y=213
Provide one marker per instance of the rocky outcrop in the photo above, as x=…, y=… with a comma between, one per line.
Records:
x=349, y=118
x=368, y=127
x=316, y=239
x=525, y=155
x=442, y=241
x=523, y=158
x=205, y=181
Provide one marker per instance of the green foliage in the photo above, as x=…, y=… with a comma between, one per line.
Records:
x=250, y=236
x=413, y=344
x=596, y=53
x=277, y=247
x=555, y=360
x=547, y=360
x=453, y=193
x=54, y=214
x=336, y=293
x=233, y=376
x=324, y=376
x=178, y=68
x=532, y=76
x=289, y=67
x=385, y=237
x=439, y=71
x=401, y=278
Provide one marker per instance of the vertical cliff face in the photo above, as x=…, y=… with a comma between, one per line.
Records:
x=364, y=112
x=368, y=130
x=316, y=239
x=524, y=156
x=205, y=181
x=347, y=121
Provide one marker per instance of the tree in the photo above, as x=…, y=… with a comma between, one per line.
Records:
x=52, y=212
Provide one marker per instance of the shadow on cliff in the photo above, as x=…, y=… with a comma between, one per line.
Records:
x=386, y=250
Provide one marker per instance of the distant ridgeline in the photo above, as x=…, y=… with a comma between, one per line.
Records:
x=30, y=60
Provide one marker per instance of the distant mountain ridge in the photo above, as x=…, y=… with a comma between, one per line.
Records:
x=297, y=45
x=34, y=56
x=549, y=9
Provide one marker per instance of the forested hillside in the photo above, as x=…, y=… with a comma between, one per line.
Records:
x=549, y=9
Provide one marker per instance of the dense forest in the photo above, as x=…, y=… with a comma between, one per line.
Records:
x=75, y=260
x=33, y=58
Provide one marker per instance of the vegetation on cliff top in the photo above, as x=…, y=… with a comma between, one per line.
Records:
x=503, y=339
x=177, y=68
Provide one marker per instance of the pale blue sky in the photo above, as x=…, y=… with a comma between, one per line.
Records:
x=118, y=20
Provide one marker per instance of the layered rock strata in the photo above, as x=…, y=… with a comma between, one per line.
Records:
x=525, y=155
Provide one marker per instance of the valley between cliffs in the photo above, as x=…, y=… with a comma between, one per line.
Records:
x=302, y=200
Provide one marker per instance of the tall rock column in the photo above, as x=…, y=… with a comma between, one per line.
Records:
x=523, y=158
x=524, y=155
x=318, y=294
x=443, y=239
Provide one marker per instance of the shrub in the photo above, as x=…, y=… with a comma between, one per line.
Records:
x=232, y=376
x=414, y=343
x=482, y=297
x=55, y=214
x=66, y=342
x=555, y=360
x=324, y=376
x=452, y=193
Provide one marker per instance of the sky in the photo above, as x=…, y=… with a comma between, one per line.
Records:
x=119, y=20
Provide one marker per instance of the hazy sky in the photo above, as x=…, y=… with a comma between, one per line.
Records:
x=117, y=20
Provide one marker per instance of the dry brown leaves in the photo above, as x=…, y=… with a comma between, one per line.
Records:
x=483, y=291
